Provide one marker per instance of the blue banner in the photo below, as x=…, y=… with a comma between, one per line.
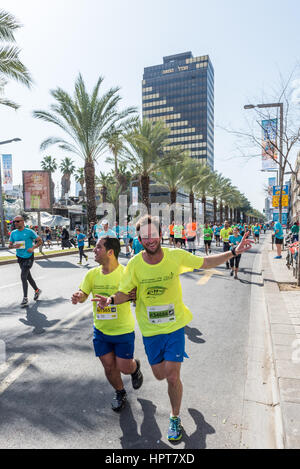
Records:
x=7, y=173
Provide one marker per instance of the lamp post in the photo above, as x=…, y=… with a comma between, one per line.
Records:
x=1, y=198
x=279, y=173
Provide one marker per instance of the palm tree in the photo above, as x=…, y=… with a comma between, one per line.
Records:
x=49, y=164
x=104, y=180
x=67, y=168
x=215, y=189
x=172, y=176
x=144, y=152
x=202, y=187
x=10, y=65
x=79, y=177
x=193, y=173
x=86, y=119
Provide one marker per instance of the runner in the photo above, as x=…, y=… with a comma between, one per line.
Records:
x=22, y=240
x=178, y=235
x=113, y=327
x=256, y=232
x=171, y=231
x=106, y=231
x=80, y=243
x=160, y=310
x=224, y=234
x=207, y=234
x=217, y=234
x=234, y=240
x=191, y=233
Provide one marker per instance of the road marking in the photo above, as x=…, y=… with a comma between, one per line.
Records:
x=207, y=274
x=18, y=283
x=15, y=374
x=7, y=364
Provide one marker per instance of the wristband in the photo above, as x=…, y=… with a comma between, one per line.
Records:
x=232, y=249
x=112, y=301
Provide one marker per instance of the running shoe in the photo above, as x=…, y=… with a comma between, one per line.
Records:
x=119, y=400
x=24, y=302
x=37, y=294
x=175, y=429
x=278, y=257
x=79, y=263
x=137, y=376
x=231, y=273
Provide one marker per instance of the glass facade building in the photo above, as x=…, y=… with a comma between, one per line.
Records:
x=181, y=93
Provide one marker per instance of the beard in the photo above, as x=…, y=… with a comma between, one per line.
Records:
x=153, y=250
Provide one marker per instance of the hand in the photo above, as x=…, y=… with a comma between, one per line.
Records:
x=245, y=244
x=103, y=301
x=76, y=297
x=132, y=295
x=30, y=249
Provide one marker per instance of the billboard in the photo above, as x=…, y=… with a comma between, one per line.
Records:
x=271, y=183
x=37, y=191
x=7, y=173
x=269, y=153
x=285, y=196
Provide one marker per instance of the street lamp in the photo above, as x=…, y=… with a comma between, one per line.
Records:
x=1, y=198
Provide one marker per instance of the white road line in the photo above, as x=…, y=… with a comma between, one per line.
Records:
x=15, y=374
x=17, y=283
x=7, y=364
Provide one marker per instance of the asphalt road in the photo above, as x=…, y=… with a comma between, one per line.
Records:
x=53, y=392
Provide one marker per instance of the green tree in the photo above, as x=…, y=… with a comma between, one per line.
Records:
x=79, y=177
x=67, y=168
x=172, y=175
x=11, y=66
x=86, y=119
x=49, y=164
x=144, y=153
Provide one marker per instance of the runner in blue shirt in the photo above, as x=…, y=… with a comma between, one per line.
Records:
x=80, y=243
x=234, y=240
x=256, y=232
x=25, y=241
x=278, y=234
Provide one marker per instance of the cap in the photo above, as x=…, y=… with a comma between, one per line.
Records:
x=104, y=222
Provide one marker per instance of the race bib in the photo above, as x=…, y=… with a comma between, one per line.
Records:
x=159, y=314
x=107, y=313
x=20, y=244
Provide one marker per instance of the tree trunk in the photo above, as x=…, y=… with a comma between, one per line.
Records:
x=173, y=196
x=104, y=194
x=145, y=181
x=221, y=212
x=226, y=212
x=89, y=172
x=231, y=216
x=192, y=202
x=204, y=208
x=215, y=210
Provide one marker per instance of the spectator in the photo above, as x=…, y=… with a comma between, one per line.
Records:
x=295, y=231
x=278, y=237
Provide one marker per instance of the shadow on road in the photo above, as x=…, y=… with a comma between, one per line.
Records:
x=193, y=334
x=150, y=436
x=47, y=263
x=37, y=320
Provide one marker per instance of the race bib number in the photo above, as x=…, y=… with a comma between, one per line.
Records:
x=20, y=244
x=159, y=314
x=107, y=313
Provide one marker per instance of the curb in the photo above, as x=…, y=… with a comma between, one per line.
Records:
x=261, y=409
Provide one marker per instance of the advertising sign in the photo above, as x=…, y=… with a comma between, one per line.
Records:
x=37, y=191
x=269, y=153
x=276, y=195
x=7, y=173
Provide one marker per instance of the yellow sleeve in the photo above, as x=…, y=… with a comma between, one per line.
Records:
x=189, y=262
x=87, y=284
x=128, y=281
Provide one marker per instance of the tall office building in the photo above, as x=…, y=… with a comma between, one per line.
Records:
x=181, y=92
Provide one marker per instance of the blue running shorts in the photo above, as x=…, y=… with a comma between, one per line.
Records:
x=170, y=347
x=122, y=345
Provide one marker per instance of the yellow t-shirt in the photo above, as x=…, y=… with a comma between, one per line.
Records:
x=225, y=234
x=159, y=305
x=115, y=319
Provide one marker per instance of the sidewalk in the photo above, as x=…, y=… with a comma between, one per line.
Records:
x=283, y=309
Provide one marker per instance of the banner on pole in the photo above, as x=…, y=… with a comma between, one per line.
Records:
x=37, y=190
x=269, y=152
x=7, y=173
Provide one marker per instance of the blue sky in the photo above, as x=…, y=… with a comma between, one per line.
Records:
x=250, y=45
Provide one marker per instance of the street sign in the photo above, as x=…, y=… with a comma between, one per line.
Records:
x=284, y=200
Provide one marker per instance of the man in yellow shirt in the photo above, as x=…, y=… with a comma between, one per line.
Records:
x=114, y=326
x=160, y=310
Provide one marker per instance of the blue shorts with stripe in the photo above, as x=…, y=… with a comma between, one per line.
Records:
x=169, y=347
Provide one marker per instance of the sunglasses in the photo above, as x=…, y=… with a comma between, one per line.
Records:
x=17, y=221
